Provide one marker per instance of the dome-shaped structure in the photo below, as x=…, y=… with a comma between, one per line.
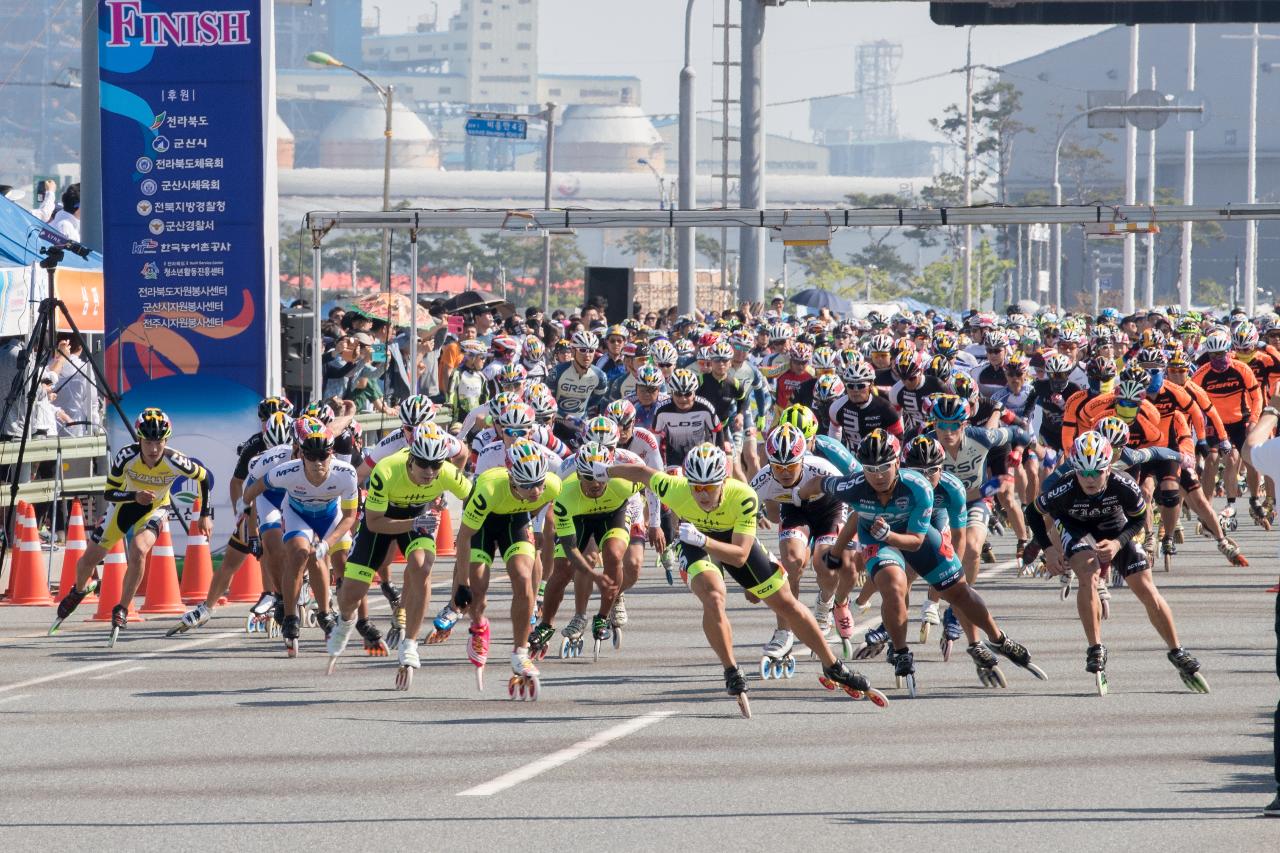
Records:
x=607, y=138
x=354, y=139
x=284, y=145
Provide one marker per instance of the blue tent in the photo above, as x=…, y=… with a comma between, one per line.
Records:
x=23, y=235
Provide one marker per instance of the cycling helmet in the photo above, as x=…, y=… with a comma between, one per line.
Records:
x=1069, y=334
x=1091, y=452
x=907, y=365
x=1101, y=368
x=945, y=343
x=526, y=464
x=1114, y=430
x=1131, y=389
x=800, y=352
x=850, y=356
x=940, y=367
x=995, y=339
x=650, y=376
x=277, y=429
x=785, y=445
x=965, y=387
x=1178, y=360
x=619, y=330
x=922, y=452
x=1057, y=363
x=1135, y=373
x=587, y=454
x=664, y=352
x=878, y=448
x=828, y=387
x=876, y=320
x=1188, y=326
x=1151, y=338
x=720, y=351
x=859, y=373
x=603, y=431
x=825, y=358
x=312, y=437
x=519, y=416
x=622, y=412
x=949, y=409
x=534, y=350
x=543, y=403
x=779, y=332
x=706, y=464
x=430, y=444
x=585, y=340
x=510, y=377
x=504, y=345
x=416, y=410
x=472, y=348
x=270, y=405
x=1244, y=336
x=684, y=381
x=801, y=418
x=499, y=403
x=880, y=343
x=1217, y=343
x=319, y=410
x=1153, y=357
x=1016, y=366
x=741, y=339
x=684, y=346
x=153, y=425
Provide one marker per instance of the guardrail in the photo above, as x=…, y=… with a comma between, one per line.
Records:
x=47, y=450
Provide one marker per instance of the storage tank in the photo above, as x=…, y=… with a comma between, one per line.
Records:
x=354, y=139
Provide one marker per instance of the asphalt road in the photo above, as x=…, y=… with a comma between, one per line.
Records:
x=216, y=740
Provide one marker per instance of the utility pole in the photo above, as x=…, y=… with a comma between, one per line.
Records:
x=751, y=243
x=550, y=115
x=687, y=262
x=1130, y=178
x=1149, y=292
x=1188, y=179
x=968, y=168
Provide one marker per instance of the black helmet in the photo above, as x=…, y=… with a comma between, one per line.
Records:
x=922, y=452
x=877, y=448
x=270, y=405
x=1101, y=368
x=153, y=425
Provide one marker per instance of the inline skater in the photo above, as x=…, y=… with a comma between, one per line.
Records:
x=1234, y=392
x=687, y=420
x=138, y=490
x=578, y=386
x=718, y=534
x=861, y=410
x=891, y=513
x=650, y=394
x=910, y=394
x=1093, y=518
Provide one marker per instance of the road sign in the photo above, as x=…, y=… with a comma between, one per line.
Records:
x=503, y=128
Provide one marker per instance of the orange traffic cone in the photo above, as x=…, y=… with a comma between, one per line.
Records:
x=445, y=546
x=18, y=518
x=77, y=543
x=30, y=582
x=162, y=577
x=246, y=583
x=197, y=564
x=112, y=585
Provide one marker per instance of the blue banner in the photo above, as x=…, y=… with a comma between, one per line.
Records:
x=188, y=160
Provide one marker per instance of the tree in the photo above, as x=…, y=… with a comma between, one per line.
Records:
x=646, y=245
x=1209, y=293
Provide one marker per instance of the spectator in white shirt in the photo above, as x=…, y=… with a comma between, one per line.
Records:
x=67, y=220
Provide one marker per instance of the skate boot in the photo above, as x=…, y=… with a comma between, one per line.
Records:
x=1179, y=535
x=928, y=618
x=1269, y=508
x=669, y=560
x=266, y=603
x=1020, y=549
x=336, y=640
x=1258, y=514
x=193, y=618
x=600, y=631
x=276, y=625
x=951, y=632
x=988, y=666
x=524, y=683
x=572, y=642
x=409, y=661
x=1167, y=549
x=1104, y=596
x=1227, y=520
x=1016, y=652
x=68, y=605
x=119, y=619
x=290, y=629
x=988, y=556
x=478, y=650
x=736, y=685
x=326, y=621
x=260, y=615
x=395, y=632
x=374, y=645
x=853, y=683
x=1064, y=579
x=904, y=671
x=843, y=617
x=539, y=638
x=618, y=613
x=1030, y=558
x=443, y=625
x=873, y=643
x=1096, y=662
x=1231, y=551
x=822, y=612
x=1189, y=669
x=777, y=662
x=537, y=601
x=391, y=594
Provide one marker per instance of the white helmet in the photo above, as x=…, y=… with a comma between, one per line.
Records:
x=590, y=453
x=416, y=410
x=430, y=444
x=517, y=417
x=526, y=463
x=585, y=340
x=1091, y=452
x=706, y=464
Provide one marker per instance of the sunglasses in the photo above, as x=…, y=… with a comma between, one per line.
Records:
x=859, y=386
x=530, y=487
x=315, y=457
x=514, y=432
x=944, y=426
x=682, y=394
x=427, y=464
x=883, y=468
x=785, y=467
x=704, y=488
x=929, y=472
x=879, y=352
x=583, y=349
x=994, y=350
x=650, y=388
x=666, y=364
x=1128, y=404
x=1091, y=474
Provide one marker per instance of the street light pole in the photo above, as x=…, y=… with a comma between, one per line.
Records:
x=549, y=114
x=662, y=205
x=687, y=244
x=1130, y=176
x=1188, y=179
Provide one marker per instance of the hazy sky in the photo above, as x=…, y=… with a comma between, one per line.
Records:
x=809, y=49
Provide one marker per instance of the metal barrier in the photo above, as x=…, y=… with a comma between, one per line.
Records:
x=52, y=449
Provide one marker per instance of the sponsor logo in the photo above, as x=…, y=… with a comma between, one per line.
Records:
x=150, y=271
x=144, y=208
x=145, y=247
x=156, y=226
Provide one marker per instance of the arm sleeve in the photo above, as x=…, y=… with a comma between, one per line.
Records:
x=746, y=519
x=1253, y=394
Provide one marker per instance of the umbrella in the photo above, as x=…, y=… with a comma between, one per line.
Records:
x=816, y=298
x=393, y=308
x=471, y=300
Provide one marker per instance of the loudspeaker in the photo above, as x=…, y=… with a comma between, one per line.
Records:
x=615, y=285
x=295, y=333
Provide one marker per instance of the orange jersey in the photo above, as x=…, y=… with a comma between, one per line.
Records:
x=1234, y=391
x=1266, y=368
x=1091, y=410
x=1205, y=405
x=1174, y=398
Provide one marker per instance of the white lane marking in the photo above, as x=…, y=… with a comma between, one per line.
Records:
x=998, y=568
x=564, y=756
x=15, y=698
x=117, y=672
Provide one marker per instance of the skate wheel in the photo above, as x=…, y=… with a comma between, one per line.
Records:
x=946, y=646
x=595, y=651
x=911, y=686
x=176, y=629
x=744, y=706
x=997, y=677
x=778, y=668
x=789, y=666
x=333, y=664
x=826, y=682
x=273, y=630
x=534, y=689
x=250, y=624
x=480, y=679
x=1106, y=609
x=1066, y=590
x=617, y=637
x=565, y=648
x=1195, y=683
x=1166, y=562
x=877, y=698
x=312, y=619
x=924, y=632
x=846, y=648
x=404, y=677
x=115, y=635
x=766, y=668
x=511, y=686
x=898, y=681
x=1036, y=671
x=1100, y=680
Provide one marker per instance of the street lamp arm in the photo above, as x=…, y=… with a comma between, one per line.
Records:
x=688, y=34
x=1057, y=148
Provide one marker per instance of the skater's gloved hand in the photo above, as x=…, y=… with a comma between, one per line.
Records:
x=462, y=597
x=322, y=549
x=880, y=527
x=990, y=487
x=794, y=496
x=832, y=560
x=599, y=471
x=691, y=535
x=1224, y=447
x=1188, y=461
x=426, y=524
